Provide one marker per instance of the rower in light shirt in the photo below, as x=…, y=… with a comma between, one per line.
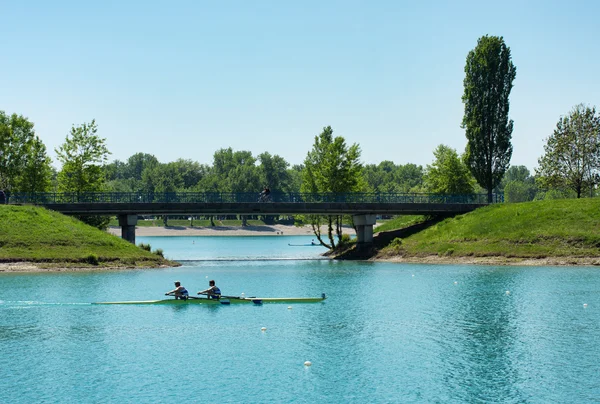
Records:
x=179, y=292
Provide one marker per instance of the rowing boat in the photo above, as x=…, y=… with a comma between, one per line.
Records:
x=226, y=300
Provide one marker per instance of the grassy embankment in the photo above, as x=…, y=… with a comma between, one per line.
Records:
x=38, y=235
x=540, y=229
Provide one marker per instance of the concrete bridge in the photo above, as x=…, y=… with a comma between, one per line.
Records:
x=364, y=207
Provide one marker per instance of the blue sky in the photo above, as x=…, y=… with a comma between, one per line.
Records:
x=181, y=79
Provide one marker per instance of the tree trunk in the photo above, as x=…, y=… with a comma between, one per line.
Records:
x=330, y=231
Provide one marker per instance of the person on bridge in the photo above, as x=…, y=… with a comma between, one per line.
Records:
x=213, y=292
x=179, y=292
x=264, y=195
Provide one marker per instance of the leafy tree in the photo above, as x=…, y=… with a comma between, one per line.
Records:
x=162, y=178
x=191, y=172
x=518, y=185
x=16, y=137
x=83, y=155
x=518, y=191
x=331, y=166
x=37, y=171
x=448, y=174
x=572, y=152
x=409, y=177
x=488, y=81
x=295, y=177
x=518, y=173
x=273, y=172
x=137, y=163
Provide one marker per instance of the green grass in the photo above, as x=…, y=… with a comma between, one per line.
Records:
x=551, y=228
x=399, y=222
x=35, y=234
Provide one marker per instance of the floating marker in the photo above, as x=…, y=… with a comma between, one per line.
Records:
x=307, y=363
x=289, y=307
x=507, y=292
x=413, y=275
x=264, y=329
x=585, y=305
x=456, y=283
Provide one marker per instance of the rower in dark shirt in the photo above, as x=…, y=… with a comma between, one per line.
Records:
x=213, y=292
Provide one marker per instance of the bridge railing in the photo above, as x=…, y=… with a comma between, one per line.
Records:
x=41, y=198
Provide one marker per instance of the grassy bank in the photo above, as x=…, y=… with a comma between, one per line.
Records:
x=38, y=235
x=541, y=229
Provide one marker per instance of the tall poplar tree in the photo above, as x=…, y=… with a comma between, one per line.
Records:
x=488, y=81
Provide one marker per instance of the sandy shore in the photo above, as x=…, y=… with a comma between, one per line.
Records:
x=274, y=230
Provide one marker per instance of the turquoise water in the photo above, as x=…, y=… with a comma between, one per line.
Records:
x=387, y=333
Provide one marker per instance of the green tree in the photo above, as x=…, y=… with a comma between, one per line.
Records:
x=16, y=137
x=448, y=174
x=572, y=152
x=273, y=172
x=37, y=172
x=331, y=167
x=488, y=81
x=162, y=178
x=137, y=163
x=83, y=155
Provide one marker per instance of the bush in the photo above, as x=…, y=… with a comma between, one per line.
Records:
x=396, y=243
x=345, y=240
x=159, y=252
x=92, y=259
x=145, y=246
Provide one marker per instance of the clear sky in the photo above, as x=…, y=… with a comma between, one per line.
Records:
x=181, y=79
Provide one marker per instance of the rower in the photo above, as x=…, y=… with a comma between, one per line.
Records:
x=179, y=292
x=213, y=292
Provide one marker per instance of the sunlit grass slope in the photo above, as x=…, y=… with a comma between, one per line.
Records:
x=35, y=234
x=553, y=228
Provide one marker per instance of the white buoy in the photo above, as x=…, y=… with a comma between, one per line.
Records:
x=413, y=275
x=264, y=329
x=307, y=363
x=585, y=305
x=508, y=292
x=289, y=307
x=456, y=283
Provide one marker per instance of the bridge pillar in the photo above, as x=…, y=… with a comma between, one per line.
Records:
x=364, y=229
x=127, y=223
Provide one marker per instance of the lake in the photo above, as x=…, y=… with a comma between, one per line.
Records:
x=387, y=333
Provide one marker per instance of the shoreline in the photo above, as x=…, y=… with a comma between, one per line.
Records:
x=32, y=267
x=266, y=230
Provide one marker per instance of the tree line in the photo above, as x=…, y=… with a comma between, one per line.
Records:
x=569, y=167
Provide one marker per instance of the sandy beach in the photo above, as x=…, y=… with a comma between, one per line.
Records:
x=273, y=230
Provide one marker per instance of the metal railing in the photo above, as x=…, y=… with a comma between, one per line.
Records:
x=245, y=197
